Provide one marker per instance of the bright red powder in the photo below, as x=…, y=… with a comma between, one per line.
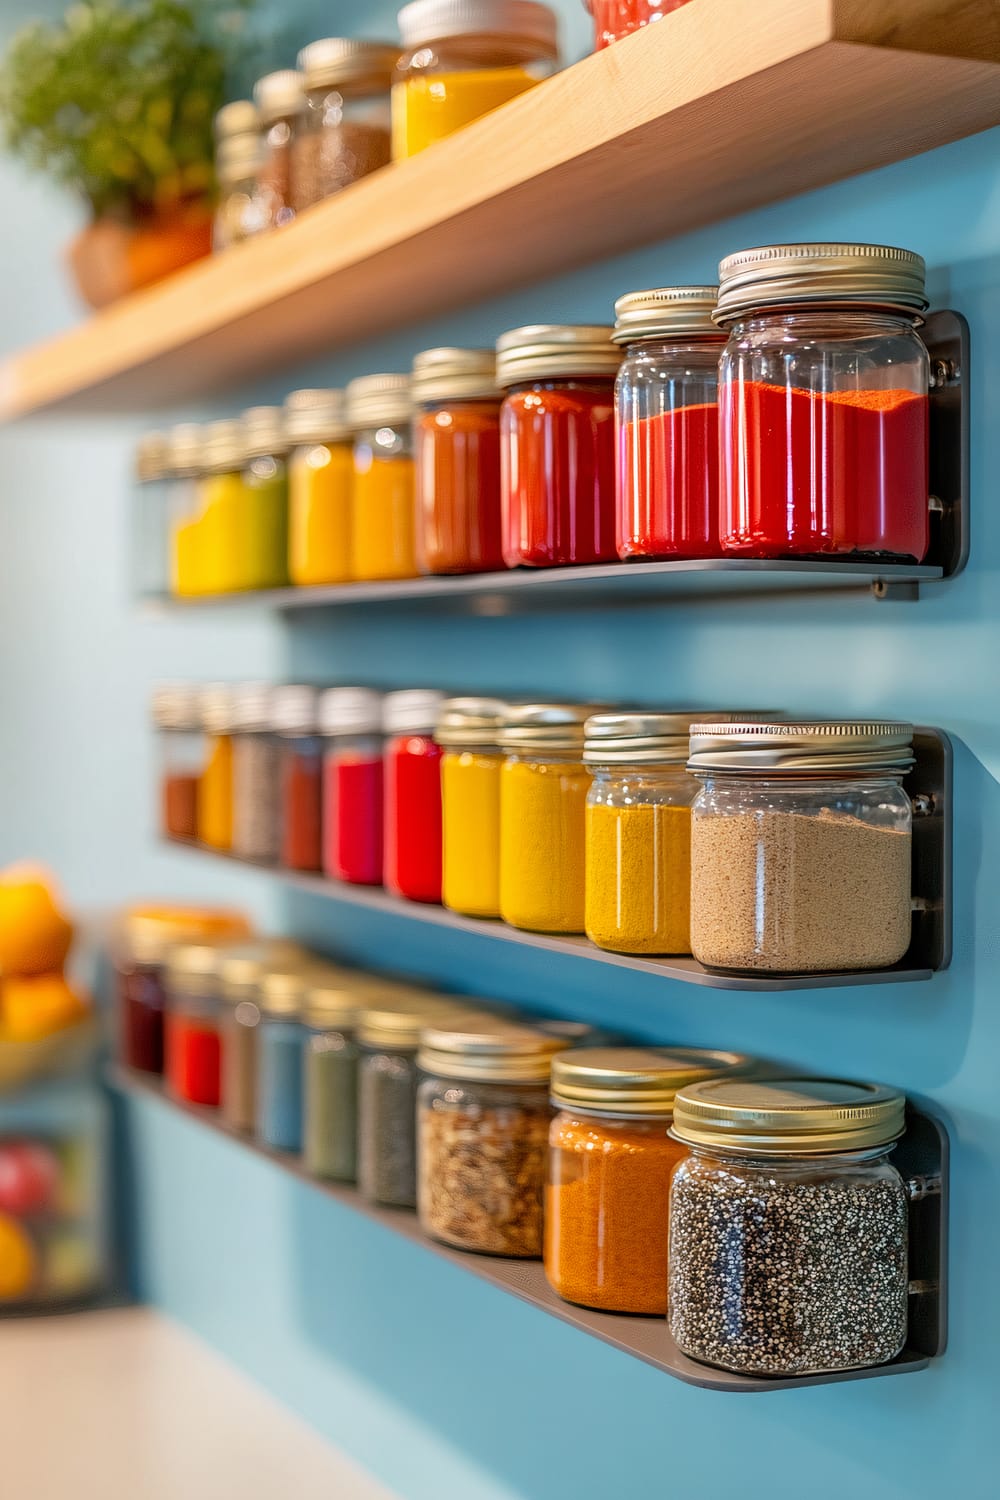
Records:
x=804, y=474
x=352, y=808
x=193, y=1059
x=413, y=818
x=301, y=797
x=668, y=484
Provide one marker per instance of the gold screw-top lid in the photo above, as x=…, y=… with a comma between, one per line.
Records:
x=316, y=417
x=186, y=449
x=195, y=968
x=279, y=95
x=242, y=968
x=643, y=738
x=235, y=119
x=455, y=375
x=821, y=275
x=283, y=991
x=425, y=21
x=264, y=431
x=545, y=726
x=224, y=447
x=149, y=933
x=634, y=1080
x=666, y=312
x=465, y=723
x=758, y=747
x=337, y=60
x=489, y=1048
x=788, y=1116
x=152, y=457
x=544, y=351
x=396, y=1019
x=379, y=401
x=338, y=998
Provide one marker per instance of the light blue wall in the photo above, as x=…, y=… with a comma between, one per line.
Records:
x=435, y=1381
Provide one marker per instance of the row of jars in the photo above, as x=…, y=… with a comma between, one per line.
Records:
x=633, y=1172
x=751, y=843
x=783, y=414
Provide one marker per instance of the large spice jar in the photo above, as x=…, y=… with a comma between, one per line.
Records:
x=467, y=732
x=281, y=1041
x=330, y=1078
x=300, y=775
x=350, y=721
x=215, y=789
x=788, y=1226
x=320, y=480
x=380, y=412
x=823, y=403
x=344, y=133
x=667, y=423
x=255, y=773
x=412, y=855
x=543, y=798
x=457, y=455
x=800, y=846
x=281, y=102
x=482, y=1126
x=177, y=717
x=557, y=444
x=610, y=1163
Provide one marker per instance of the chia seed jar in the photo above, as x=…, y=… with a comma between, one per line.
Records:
x=330, y=1079
x=788, y=1227
x=467, y=730
x=280, y=1049
x=350, y=721
x=801, y=846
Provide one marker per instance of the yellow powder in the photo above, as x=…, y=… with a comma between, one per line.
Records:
x=425, y=109
x=639, y=878
x=215, y=794
x=542, y=822
x=382, y=526
x=320, y=481
x=470, y=806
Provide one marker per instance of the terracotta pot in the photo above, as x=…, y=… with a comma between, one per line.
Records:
x=111, y=258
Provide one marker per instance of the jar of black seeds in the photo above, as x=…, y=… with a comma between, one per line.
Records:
x=788, y=1226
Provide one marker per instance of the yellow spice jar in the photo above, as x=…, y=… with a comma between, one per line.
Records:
x=320, y=487
x=209, y=546
x=467, y=731
x=543, y=796
x=380, y=411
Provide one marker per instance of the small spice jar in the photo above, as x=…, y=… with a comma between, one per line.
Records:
x=215, y=789
x=193, y=1051
x=241, y=973
x=344, y=133
x=412, y=815
x=238, y=157
x=483, y=1126
x=610, y=1163
x=788, y=1226
x=178, y=719
x=557, y=444
x=300, y=775
x=281, y=101
x=350, y=721
x=185, y=458
x=462, y=58
x=614, y=19
x=667, y=420
x=149, y=568
x=215, y=541
x=800, y=846
x=320, y=479
x=457, y=454
x=281, y=1039
x=330, y=1079
x=823, y=403
x=264, y=534
x=543, y=800
x=468, y=733
x=255, y=774
x=380, y=412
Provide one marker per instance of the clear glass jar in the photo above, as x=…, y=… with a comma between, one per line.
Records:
x=320, y=480
x=557, y=445
x=239, y=212
x=186, y=452
x=412, y=813
x=614, y=19
x=802, y=865
x=823, y=409
x=330, y=1082
x=820, y=1279
x=177, y=717
x=471, y=762
x=215, y=789
x=255, y=774
x=667, y=424
x=344, y=133
x=300, y=776
x=350, y=720
x=382, y=517
x=281, y=102
x=149, y=517
x=281, y=1039
x=193, y=1050
x=263, y=538
x=461, y=61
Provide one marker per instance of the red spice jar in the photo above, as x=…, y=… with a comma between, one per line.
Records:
x=177, y=716
x=412, y=864
x=300, y=776
x=456, y=439
x=350, y=721
x=823, y=403
x=193, y=1048
x=557, y=449
x=667, y=423
x=614, y=19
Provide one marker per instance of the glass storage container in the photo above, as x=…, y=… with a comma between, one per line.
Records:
x=344, y=133
x=212, y=548
x=823, y=403
x=380, y=412
x=788, y=1226
x=457, y=456
x=300, y=751
x=412, y=855
x=264, y=537
x=800, y=846
x=241, y=973
x=330, y=1109
x=281, y=102
x=320, y=483
x=255, y=774
x=238, y=158
x=557, y=444
x=667, y=424
x=149, y=517
x=178, y=720
x=281, y=1039
x=468, y=733
x=482, y=1129
x=610, y=1162
x=463, y=58
x=350, y=721
x=186, y=456
x=215, y=789
x=614, y=19
x=193, y=1050
x=543, y=800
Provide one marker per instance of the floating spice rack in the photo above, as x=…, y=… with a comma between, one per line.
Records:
x=922, y=1158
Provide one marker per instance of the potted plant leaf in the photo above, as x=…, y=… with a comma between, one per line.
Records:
x=116, y=101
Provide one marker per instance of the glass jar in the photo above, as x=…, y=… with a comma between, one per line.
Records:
x=216, y=540
x=149, y=516
x=281, y=1039
x=667, y=424
x=344, y=133
x=462, y=58
x=412, y=817
x=241, y=973
x=255, y=774
x=800, y=846
x=557, y=444
x=300, y=776
x=467, y=732
x=610, y=1162
x=543, y=800
x=186, y=456
x=215, y=789
x=823, y=403
x=238, y=158
x=177, y=717
x=193, y=1049
x=482, y=1128
x=380, y=412
x=330, y=1081
x=264, y=538
x=281, y=102
x=614, y=19
x=457, y=456
x=320, y=478
x=350, y=720
x=788, y=1227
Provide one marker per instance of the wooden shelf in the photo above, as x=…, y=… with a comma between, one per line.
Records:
x=722, y=106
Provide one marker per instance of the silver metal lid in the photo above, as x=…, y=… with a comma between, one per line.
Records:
x=634, y=1080
x=224, y=446
x=540, y=351
x=279, y=95
x=264, y=431
x=454, y=375
x=335, y=60
x=488, y=1048
x=152, y=456
x=176, y=705
x=411, y=710
x=316, y=417
x=824, y=275
x=349, y=710
x=425, y=21
x=666, y=312
x=545, y=726
x=465, y=723
x=294, y=709
x=238, y=118
x=641, y=738
x=756, y=747
x=251, y=706
x=216, y=703
x=379, y=400
x=788, y=1116
x=186, y=449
